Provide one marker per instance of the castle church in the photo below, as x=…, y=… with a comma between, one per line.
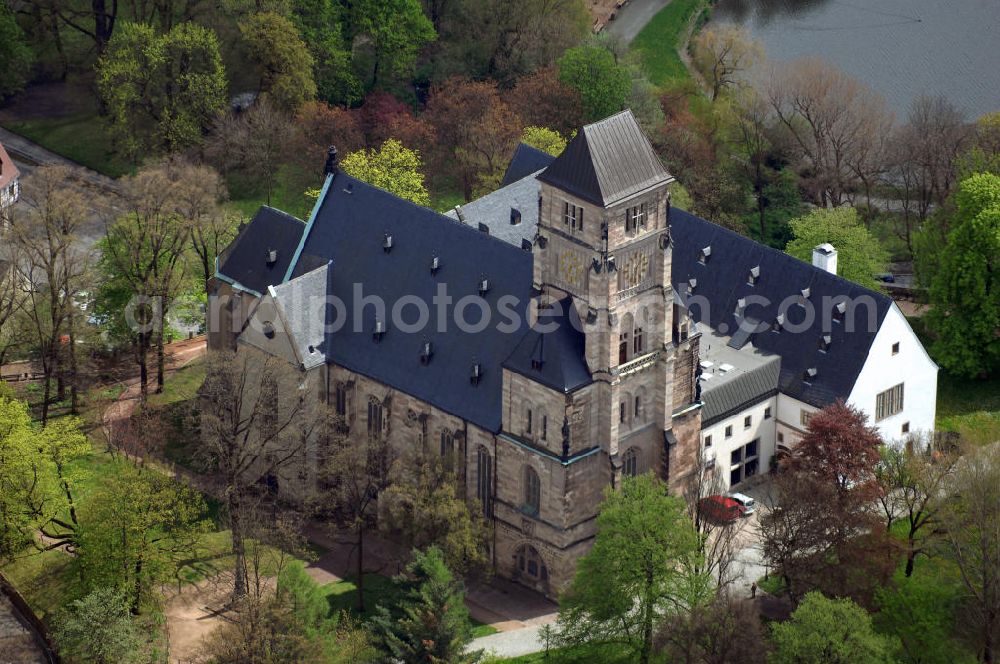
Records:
x=547, y=337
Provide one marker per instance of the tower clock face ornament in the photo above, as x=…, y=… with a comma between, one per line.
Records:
x=571, y=266
x=635, y=269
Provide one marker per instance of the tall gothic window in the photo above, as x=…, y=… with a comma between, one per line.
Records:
x=340, y=399
x=484, y=480
x=532, y=491
x=623, y=348
x=375, y=418
x=637, y=341
x=630, y=467
x=447, y=443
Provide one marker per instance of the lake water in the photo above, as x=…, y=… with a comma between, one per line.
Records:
x=902, y=48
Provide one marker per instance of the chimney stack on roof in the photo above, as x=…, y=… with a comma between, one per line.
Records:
x=825, y=257
x=332, y=162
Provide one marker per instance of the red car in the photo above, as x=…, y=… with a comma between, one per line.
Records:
x=720, y=509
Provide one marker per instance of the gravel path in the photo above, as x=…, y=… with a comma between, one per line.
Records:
x=514, y=643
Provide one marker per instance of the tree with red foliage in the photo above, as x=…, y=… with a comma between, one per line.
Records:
x=318, y=126
x=476, y=132
x=382, y=117
x=542, y=100
x=825, y=533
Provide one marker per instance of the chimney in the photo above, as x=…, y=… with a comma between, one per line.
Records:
x=825, y=257
x=332, y=163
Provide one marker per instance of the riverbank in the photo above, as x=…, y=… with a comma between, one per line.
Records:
x=661, y=43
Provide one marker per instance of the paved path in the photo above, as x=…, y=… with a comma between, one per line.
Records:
x=17, y=642
x=28, y=156
x=633, y=17
x=514, y=643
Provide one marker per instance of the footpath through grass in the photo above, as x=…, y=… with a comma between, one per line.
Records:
x=658, y=43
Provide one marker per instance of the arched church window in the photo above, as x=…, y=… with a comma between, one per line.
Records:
x=532, y=491
x=630, y=466
x=530, y=564
x=484, y=480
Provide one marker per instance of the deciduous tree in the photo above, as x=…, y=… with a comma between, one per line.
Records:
x=283, y=62
x=604, y=85
x=723, y=54
x=99, y=629
x=15, y=53
x=965, y=311
x=860, y=254
x=829, y=631
x=823, y=534
x=396, y=30
x=727, y=630
x=831, y=119
x=392, y=167
x=137, y=530
x=972, y=531
x=542, y=100
x=422, y=505
x=911, y=486
x=475, y=130
x=355, y=472
x=52, y=265
x=639, y=570
x=321, y=25
x=544, y=139
x=253, y=426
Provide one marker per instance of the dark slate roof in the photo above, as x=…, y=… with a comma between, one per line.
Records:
x=607, y=161
x=349, y=229
x=723, y=280
x=744, y=390
x=245, y=259
x=526, y=161
x=553, y=353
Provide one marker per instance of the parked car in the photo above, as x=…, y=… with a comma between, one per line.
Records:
x=720, y=509
x=748, y=503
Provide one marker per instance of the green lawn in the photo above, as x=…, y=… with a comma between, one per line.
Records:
x=83, y=138
x=181, y=385
x=658, y=43
x=970, y=408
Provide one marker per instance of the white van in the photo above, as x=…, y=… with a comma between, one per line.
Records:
x=748, y=503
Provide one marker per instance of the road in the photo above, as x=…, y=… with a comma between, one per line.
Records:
x=633, y=17
x=28, y=156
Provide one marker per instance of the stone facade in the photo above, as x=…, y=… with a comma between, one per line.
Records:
x=541, y=478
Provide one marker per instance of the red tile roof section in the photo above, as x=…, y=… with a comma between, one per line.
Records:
x=8, y=171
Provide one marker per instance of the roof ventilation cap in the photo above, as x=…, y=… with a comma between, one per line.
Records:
x=379, y=330
x=272, y=257
x=806, y=292
x=387, y=243
x=426, y=352
x=435, y=264
x=484, y=228
x=706, y=252
x=484, y=286
x=477, y=373
x=809, y=374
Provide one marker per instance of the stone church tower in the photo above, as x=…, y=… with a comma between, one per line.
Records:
x=602, y=267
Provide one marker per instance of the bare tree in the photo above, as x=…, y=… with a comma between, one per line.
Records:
x=723, y=54
x=753, y=117
x=926, y=152
x=253, y=142
x=972, y=530
x=356, y=471
x=719, y=541
x=255, y=422
x=912, y=487
x=725, y=631
x=10, y=298
x=51, y=266
x=833, y=121
x=145, y=248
